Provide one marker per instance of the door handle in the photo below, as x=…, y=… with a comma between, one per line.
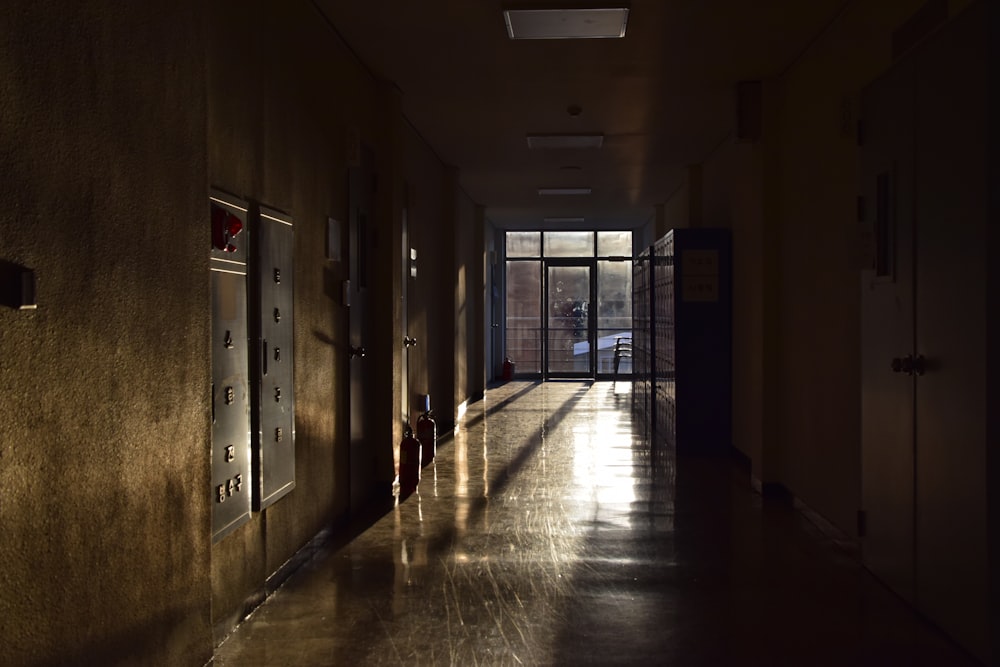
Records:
x=409, y=342
x=909, y=364
x=357, y=352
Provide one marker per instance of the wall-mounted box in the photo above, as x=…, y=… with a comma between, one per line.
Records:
x=231, y=483
x=17, y=287
x=273, y=381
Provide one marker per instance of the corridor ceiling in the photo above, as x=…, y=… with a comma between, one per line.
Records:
x=663, y=96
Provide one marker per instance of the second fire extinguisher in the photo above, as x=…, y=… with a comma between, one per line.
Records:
x=508, y=369
x=409, y=463
x=427, y=435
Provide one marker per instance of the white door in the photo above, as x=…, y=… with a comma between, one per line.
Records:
x=887, y=384
x=952, y=408
x=925, y=303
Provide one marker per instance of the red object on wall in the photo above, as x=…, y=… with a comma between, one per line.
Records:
x=409, y=463
x=225, y=227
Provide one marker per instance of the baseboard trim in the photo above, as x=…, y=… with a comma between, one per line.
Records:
x=225, y=627
x=779, y=493
x=742, y=460
x=776, y=491
x=838, y=537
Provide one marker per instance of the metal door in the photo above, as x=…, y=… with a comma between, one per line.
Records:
x=272, y=371
x=887, y=323
x=569, y=321
x=408, y=268
x=362, y=204
x=230, y=490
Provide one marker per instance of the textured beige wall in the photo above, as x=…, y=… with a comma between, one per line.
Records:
x=790, y=200
x=278, y=124
x=104, y=557
x=114, y=121
x=675, y=213
x=430, y=317
x=476, y=258
x=732, y=189
x=467, y=268
x=280, y=109
x=817, y=453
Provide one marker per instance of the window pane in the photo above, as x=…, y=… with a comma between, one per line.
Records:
x=614, y=244
x=524, y=244
x=524, y=315
x=569, y=244
x=614, y=315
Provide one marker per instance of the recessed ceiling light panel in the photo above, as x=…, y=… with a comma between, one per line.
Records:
x=608, y=23
x=565, y=140
x=564, y=191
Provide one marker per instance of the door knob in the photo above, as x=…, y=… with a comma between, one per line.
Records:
x=909, y=364
x=357, y=352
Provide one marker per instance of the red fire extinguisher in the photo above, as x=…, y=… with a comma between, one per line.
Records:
x=508, y=369
x=409, y=463
x=427, y=435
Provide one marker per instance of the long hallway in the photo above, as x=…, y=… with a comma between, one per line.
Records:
x=549, y=532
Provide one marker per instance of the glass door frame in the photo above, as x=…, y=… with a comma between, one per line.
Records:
x=532, y=248
x=591, y=265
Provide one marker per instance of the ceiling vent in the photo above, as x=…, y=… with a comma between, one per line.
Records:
x=606, y=23
x=564, y=191
x=565, y=140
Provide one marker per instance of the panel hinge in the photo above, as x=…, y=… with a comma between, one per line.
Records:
x=862, y=523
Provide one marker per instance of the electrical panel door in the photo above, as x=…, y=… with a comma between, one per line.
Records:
x=230, y=490
x=274, y=419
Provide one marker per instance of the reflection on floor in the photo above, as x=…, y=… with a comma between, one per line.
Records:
x=547, y=532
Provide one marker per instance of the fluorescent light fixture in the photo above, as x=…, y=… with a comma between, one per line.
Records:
x=608, y=23
x=564, y=191
x=573, y=221
x=565, y=140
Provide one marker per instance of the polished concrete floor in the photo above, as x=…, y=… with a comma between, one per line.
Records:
x=548, y=532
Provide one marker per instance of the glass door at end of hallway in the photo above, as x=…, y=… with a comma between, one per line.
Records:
x=569, y=331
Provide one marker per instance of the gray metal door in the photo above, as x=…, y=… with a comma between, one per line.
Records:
x=231, y=486
x=274, y=419
x=362, y=205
